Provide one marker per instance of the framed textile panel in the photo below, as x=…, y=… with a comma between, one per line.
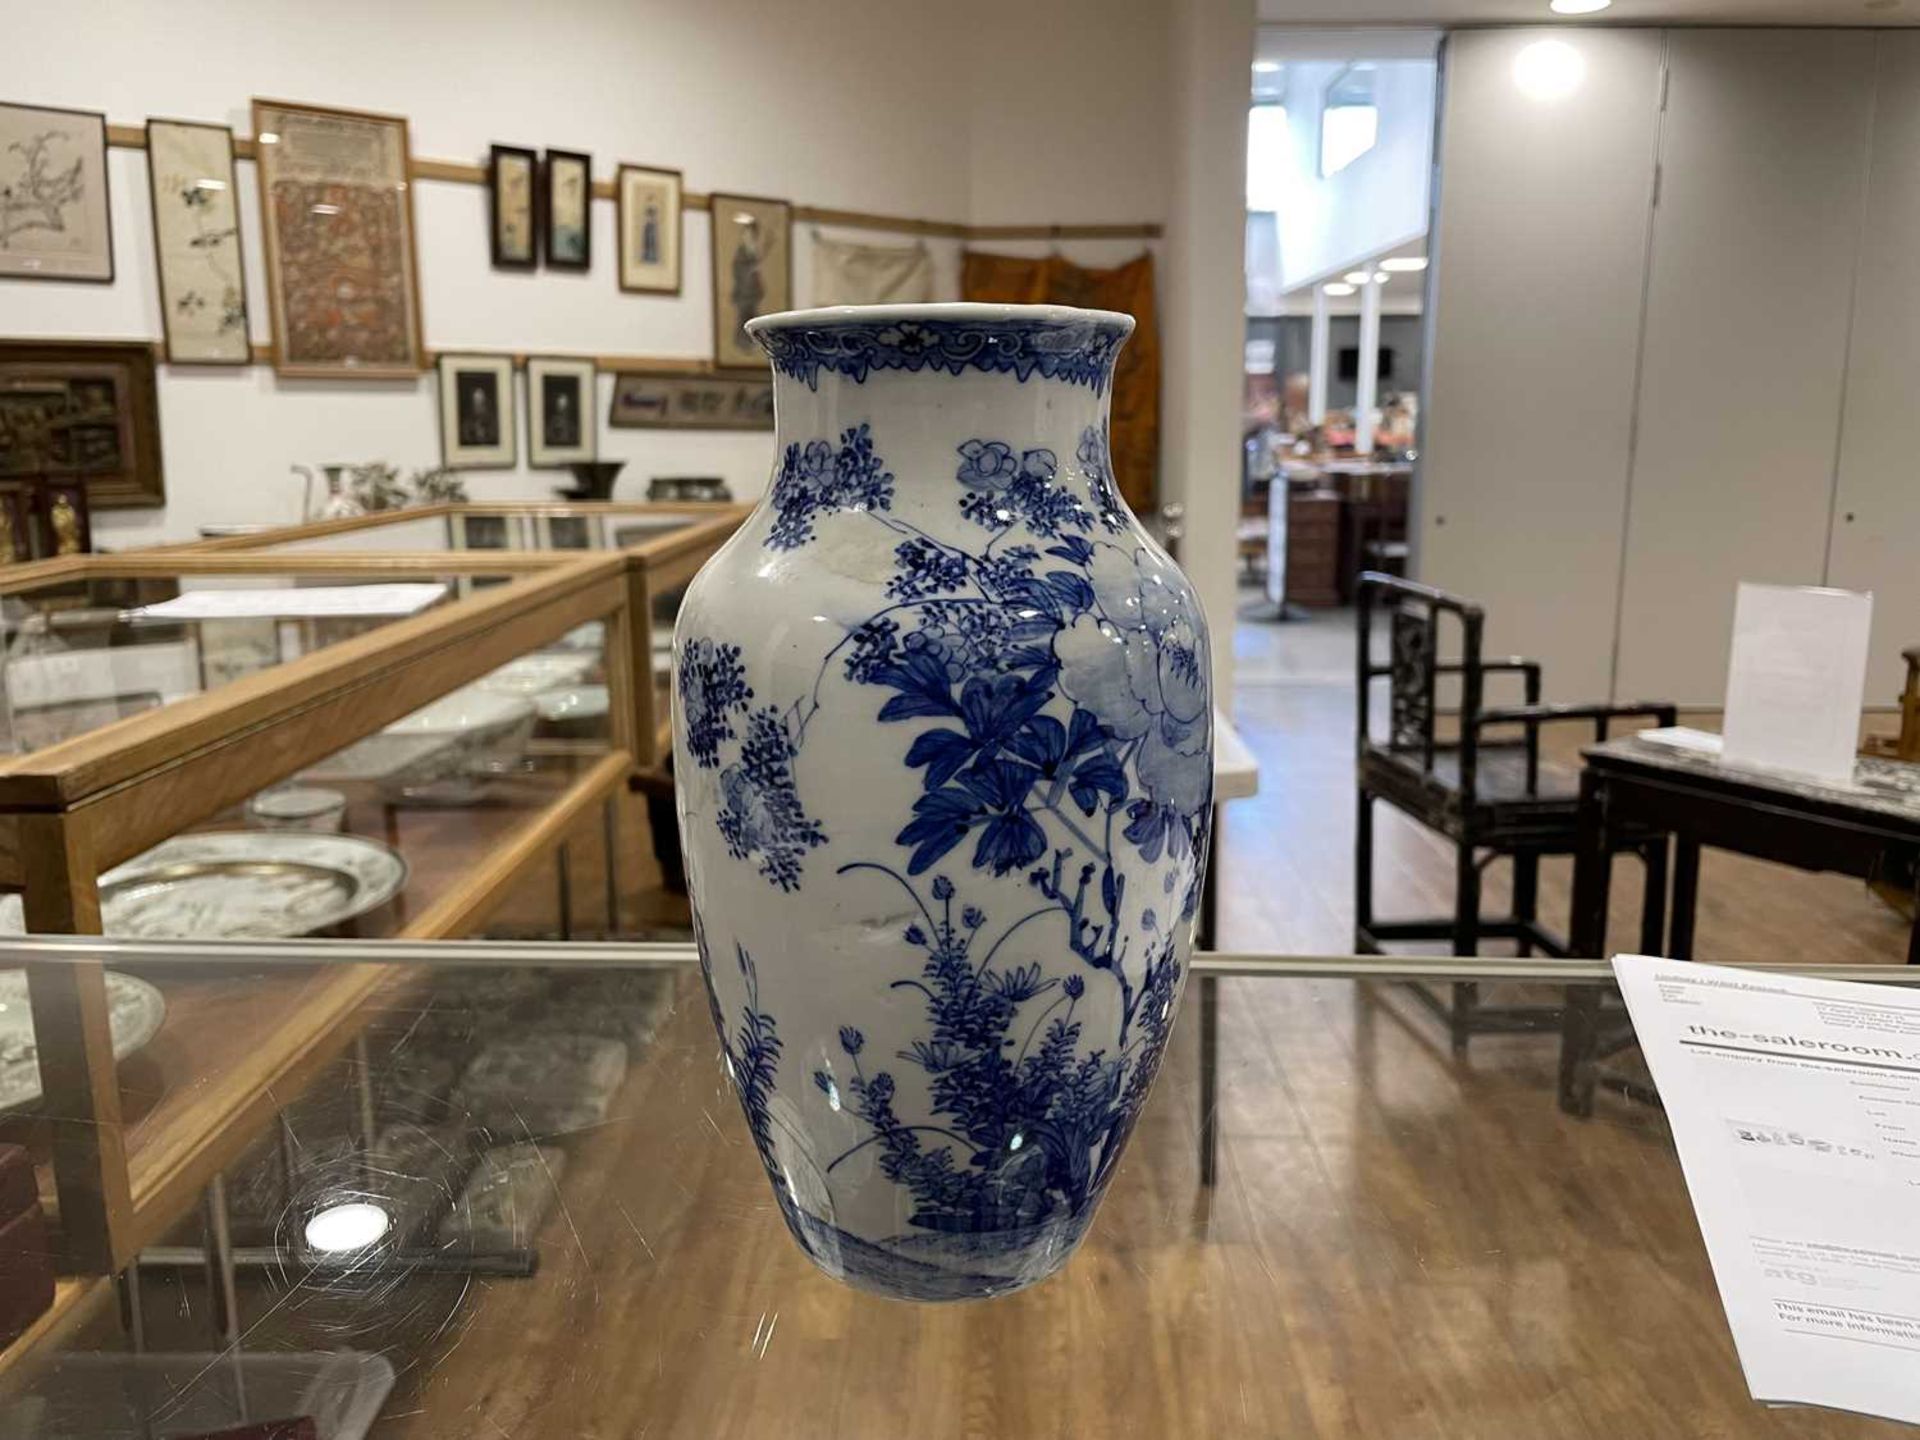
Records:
x=336, y=206
x=54, y=219
x=752, y=272
x=196, y=241
x=86, y=409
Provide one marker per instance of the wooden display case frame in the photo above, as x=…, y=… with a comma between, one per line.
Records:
x=73, y=810
x=654, y=568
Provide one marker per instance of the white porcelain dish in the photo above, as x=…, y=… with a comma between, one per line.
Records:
x=240, y=884
x=542, y=670
x=572, y=706
x=135, y=1010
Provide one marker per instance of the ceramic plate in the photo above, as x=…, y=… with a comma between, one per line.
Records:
x=134, y=1012
x=241, y=884
x=424, y=742
x=590, y=636
x=543, y=670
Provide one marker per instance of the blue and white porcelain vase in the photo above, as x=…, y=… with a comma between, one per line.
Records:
x=943, y=739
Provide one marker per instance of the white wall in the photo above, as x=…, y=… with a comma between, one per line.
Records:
x=1327, y=225
x=858, y=104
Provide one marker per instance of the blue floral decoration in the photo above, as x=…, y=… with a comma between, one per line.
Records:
x=1080, y=353
x=713, y=688
x=820, y=477
x=761, y=817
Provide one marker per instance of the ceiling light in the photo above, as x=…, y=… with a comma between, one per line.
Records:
x=1578, y=7
x=352, y=1226
x=1357, y=277
x=1404, y=264
x=1379, y=277
x=1338, y=288
x=1548, y=70
x=1268, y=67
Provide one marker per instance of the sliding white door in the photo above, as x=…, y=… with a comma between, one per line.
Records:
x=1876, y=531
x=1540, y=251
x=1756, y=234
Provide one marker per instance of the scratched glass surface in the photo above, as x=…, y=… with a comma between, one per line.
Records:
x=519, y=1199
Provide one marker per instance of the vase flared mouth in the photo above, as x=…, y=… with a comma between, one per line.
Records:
x=835, y=317
x=1053, y=342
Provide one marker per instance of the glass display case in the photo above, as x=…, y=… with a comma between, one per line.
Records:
x=531, y=1206
x=267, y=746
x=663, y=545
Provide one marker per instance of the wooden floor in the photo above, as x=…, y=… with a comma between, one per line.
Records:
x=1403, y=1244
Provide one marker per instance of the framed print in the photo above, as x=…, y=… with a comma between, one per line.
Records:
x=752, y=272
x=649, y=229
x=336, y=205
x=476, y=412
x=560, y=411
x=511, y=176
x=691, y=402
x=196, y=243
x=54, y=219
x=83, y=408
x=567, y=194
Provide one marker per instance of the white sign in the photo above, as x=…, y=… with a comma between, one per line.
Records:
x=1797, y=678
x=1795, y=1105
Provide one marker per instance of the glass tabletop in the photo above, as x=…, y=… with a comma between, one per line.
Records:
x=561, y=1227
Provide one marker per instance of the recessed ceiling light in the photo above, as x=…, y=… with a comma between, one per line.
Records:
x=1339, y=288
x=1268, y=67
x=1578, y=7
x=1548, y=70
x=1401, y=264
x=351, y=1226
x=1357, y=277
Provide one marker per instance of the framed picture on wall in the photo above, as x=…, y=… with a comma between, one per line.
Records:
x=691, y=402
x=196, y=243
x=336, y=206
x=54, y=220
x=512, y=174
x=752, y=272
x=477, y=418
x=649, y=229
x=87, y=408
x=567, y=205
x=560, y=411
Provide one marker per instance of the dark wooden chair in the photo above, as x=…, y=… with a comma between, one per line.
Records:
x=1485, y=789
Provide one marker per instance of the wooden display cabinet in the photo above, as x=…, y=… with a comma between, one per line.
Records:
x=661, y=545
x=131, y=1146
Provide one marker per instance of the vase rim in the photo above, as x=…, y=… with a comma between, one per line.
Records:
x=948, y=312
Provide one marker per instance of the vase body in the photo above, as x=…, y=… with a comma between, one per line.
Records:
x=943, y=750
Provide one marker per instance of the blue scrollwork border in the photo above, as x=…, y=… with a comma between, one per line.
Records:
x=1079, y=354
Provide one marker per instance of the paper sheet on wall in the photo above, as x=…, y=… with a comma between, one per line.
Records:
x=311, y=603
x=1795, y=1106
x=1796, y=678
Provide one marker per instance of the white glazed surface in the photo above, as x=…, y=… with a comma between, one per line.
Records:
x=808, y=923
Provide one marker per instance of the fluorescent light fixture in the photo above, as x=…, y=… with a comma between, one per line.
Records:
x=1338, y=288
x=353, y=1225
x=1578, y=7
x=1357, y=277
x=1404, y=264
x=1379, y=277
x=1269, y=67
x=1548, y=70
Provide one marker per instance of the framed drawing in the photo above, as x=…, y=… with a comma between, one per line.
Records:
x=560, y=411
x=196, y=243
x=476, y=412
x=54, y=220
x=336, y=205
x=752, y=272
x=691, y=402
x=83, y=408
x=567, y=196
x=649, y=229
x=511, y=173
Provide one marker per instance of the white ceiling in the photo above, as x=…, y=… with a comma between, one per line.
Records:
x=1624, y=12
